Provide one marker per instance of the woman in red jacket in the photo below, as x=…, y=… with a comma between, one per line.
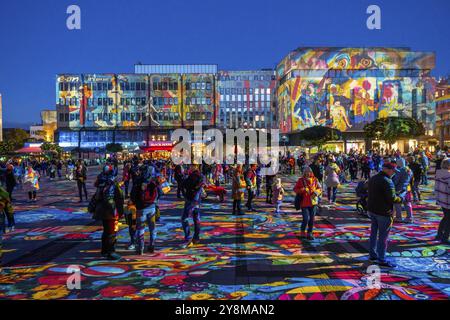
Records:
x=309, y=188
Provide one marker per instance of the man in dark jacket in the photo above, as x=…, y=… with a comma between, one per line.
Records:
x=417, y=170
x=192, y=189
x=179, y=177
x=109, y=209
x=380, y=205
x=81, y=177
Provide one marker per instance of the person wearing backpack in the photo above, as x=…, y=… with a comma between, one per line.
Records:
x=109, y=208
x=192, y=187
x=144, y=195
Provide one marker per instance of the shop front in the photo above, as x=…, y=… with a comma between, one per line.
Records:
x=157, y=150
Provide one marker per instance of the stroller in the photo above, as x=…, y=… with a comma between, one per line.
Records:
x=362, y=191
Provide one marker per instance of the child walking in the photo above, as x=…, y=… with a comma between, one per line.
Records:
x=278, y=193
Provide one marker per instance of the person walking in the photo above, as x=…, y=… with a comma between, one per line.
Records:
x=31, y=183
x=81, y=177
x=10, y=180
x=381, y=200
x=278, y=194
x=108, y=209
x=442, y=191
x=425, y=162
x=309, y=190
x=193, y=187
x=238, y=190
x=179, y=177
x=402, y=182
x=250, y=179
x=417, y=170
x=269, y=182
x=144, y=195
x=126, y=177
x=332, y=172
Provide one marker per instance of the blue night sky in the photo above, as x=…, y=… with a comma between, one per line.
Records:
x=35, y=44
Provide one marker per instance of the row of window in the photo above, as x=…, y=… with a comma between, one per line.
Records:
x=260, y=104
x=246, y=77
x=136, y=86
x=238, y=97
x=198, y=86
x=124, y=116
x=92, y=102
x=244, y=90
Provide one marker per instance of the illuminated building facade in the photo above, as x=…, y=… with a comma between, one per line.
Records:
x=346, y=88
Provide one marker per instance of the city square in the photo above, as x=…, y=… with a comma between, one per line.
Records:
x=206, y=165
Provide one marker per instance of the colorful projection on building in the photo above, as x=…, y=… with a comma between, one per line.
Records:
x=198, y=96
x=348, y=88
x=135, y=100
x=165, y=104
x=103, y=100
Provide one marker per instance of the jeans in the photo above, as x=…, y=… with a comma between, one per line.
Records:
x=110, y=228
x=82, y=187
x=444, y=225
x=143, y=216
x=408, y=208
x=278, y=206
x=308, y=214
x=379, y=233
x=425, y=178
x=194, y=208
x=332, y=191
x=237, y=206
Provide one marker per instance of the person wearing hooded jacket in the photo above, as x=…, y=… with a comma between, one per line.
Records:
x=402, y=182
x=144, y=195
x=109, y=209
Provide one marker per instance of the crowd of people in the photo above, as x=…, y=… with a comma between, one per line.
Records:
x=390, y=183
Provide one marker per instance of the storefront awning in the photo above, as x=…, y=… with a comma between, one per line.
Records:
x=30, y=150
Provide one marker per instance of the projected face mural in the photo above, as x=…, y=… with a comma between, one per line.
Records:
x=348, y=88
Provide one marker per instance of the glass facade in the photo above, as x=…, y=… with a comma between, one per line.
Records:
x=246, y=99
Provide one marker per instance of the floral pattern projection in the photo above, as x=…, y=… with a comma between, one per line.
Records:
x=257, y=256
x=199, y=100
x=166, y=101
x=105, y=100
x=348, y=88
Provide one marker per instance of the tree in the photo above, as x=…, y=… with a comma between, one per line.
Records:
x=49, y=147
x=320, y=135
x=391, y=129
x=17, y=137
x=6, y=147
x=114, y=147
